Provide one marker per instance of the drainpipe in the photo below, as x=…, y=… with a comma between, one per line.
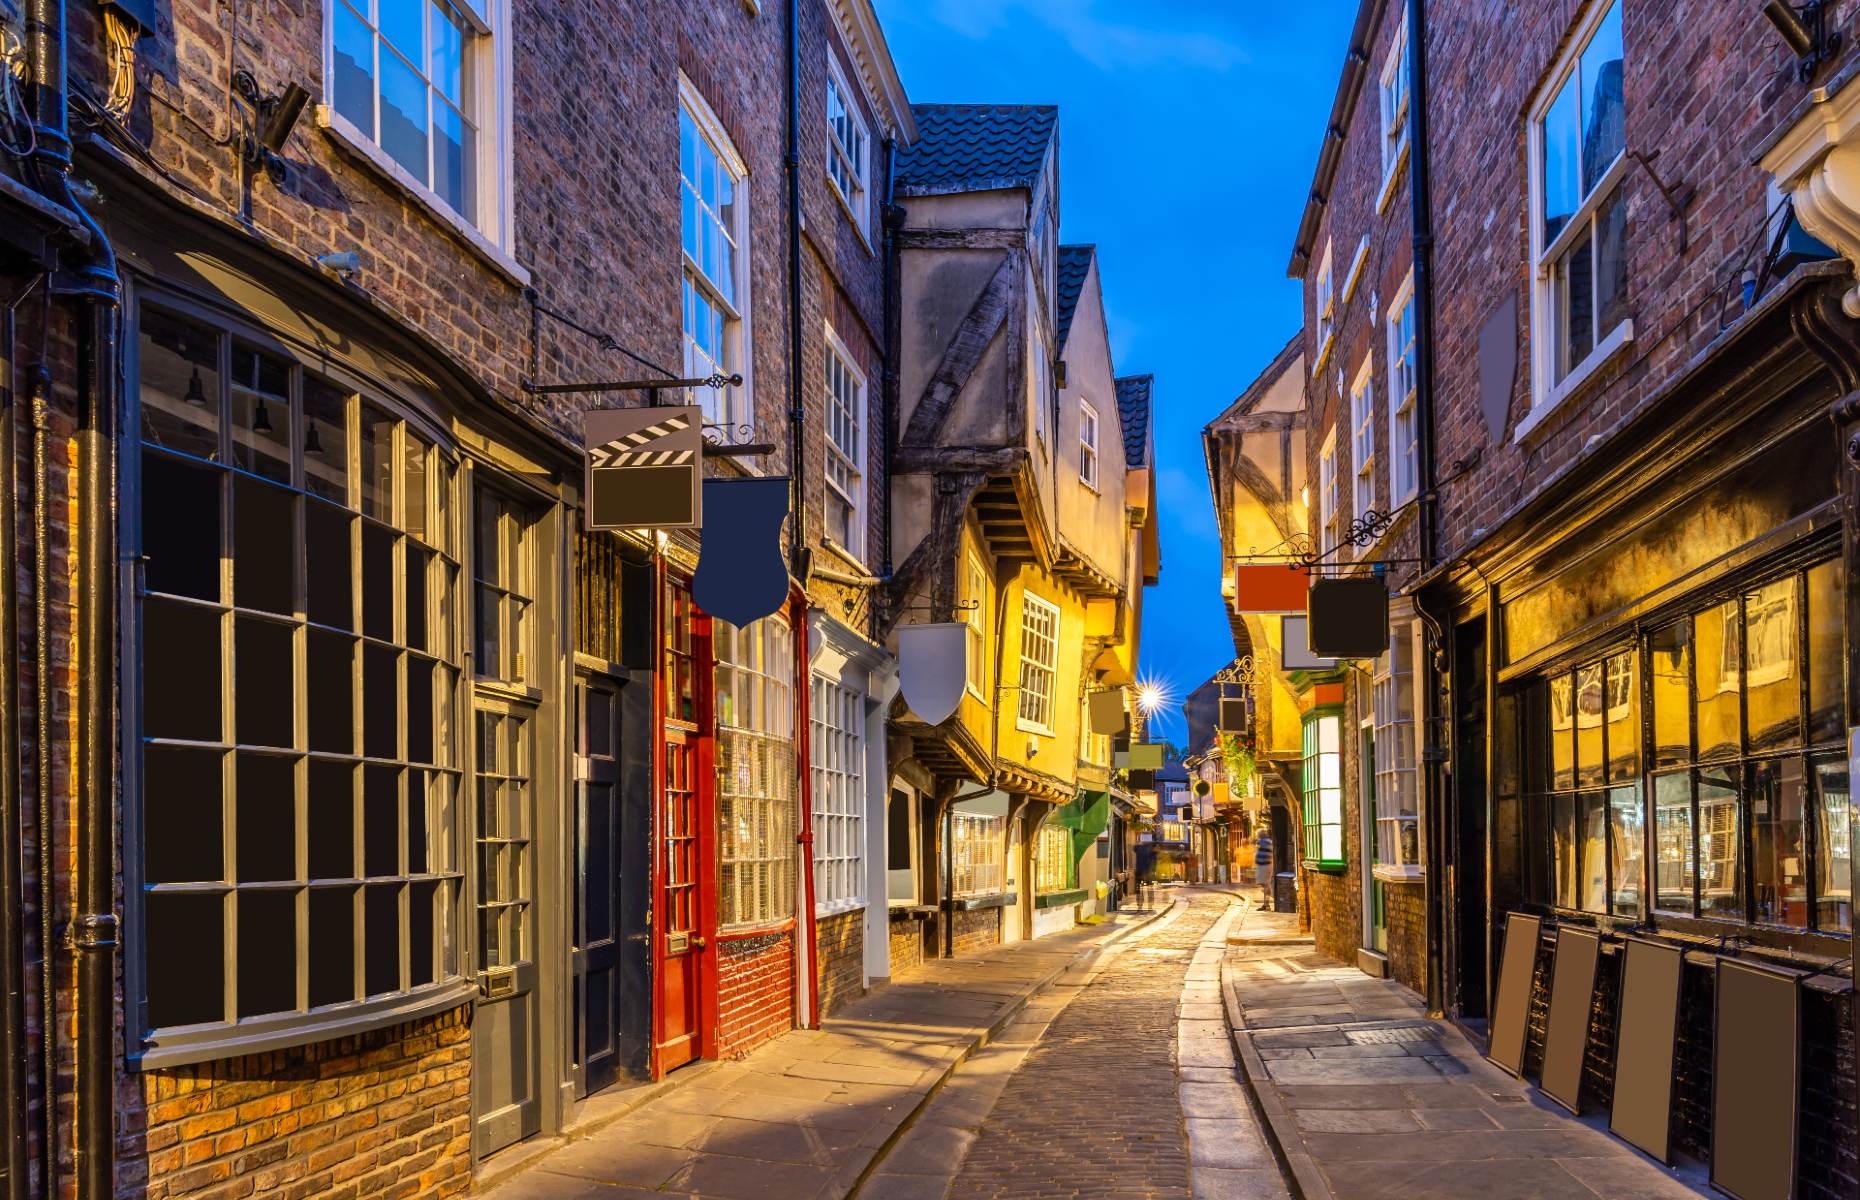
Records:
x=87, y=274
x=797, y=375
x=807, y=939
x=892, y=217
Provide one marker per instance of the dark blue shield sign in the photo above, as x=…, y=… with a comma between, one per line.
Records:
x=741, y=575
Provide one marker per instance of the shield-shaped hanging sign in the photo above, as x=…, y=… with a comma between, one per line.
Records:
x=644, y=465
x=741, y=574
x=932, y=668
x=1108, y=714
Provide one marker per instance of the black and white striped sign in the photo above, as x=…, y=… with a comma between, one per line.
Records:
x=644, y=467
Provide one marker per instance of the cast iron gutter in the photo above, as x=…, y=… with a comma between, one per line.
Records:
x=1342, y=108
x=797, y=375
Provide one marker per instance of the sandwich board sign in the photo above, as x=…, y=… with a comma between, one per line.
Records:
x=645, y=466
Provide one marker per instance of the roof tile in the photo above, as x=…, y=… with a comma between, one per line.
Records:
x=1133, y=412
x=976, y=147
x=1074, y=265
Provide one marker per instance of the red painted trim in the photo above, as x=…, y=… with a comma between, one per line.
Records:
x=756, y=931
x=705, y=683
x=804, y=772
x=656, y=1023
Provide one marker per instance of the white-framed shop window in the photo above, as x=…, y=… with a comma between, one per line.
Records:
x=1578, y=211
x=714, y=205
x=1363, y=439
x=755, y=771
x=838, y=751
x=845, y=447
x=978, y=851
x=1052, y=858
x=849, y=147
x=1394, y=100
x=1088, y=444
x=1404, y=420
x=1039, y=659
x=1397, y=790
x=423, y=91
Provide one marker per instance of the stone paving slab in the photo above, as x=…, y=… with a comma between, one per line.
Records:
x=1367, y=1099
x=803, y=1117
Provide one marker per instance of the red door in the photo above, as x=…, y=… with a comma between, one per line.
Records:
x=686, y=900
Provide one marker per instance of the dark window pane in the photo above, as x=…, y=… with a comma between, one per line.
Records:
x=264, y=546
x=416, y=822
x=182, y=820
x=1834, y=845
x=332, y=946
x=1589, y=705
x=489, y=646
x=1626, y=840
x=1717, y=674
x=329, y=662
x=326, y=439
x=420, y=934
x=1779, y=851
x=1670, y=661
x=1826, y=657
x=381, y=821
x=180, y=527
x=267, y=818
x=1562, y=733
x=185, y=959
x=180, y=671
x=1611, y=268
x=1563, y=818
x=1575, y=285
x=597, y=862
x=419, y=709
x=898, y=833
x=380, y=696
x=1719, y=825
x=1772, y=684
x=330, y=820
x=1594, y=834
x=267, y=952
x=1672, y=843
x=1621, y=685
x=485, y=542
x=180, y=384
x=263, y=688
x=415, y=597
x=1603, y=104
x=377, y=434
x=329, y=573
x=381, y=938
x=261, y=413
x=377, y=581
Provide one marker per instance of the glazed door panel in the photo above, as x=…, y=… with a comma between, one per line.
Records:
x=598, y=833
x=685, y=900
x=506, y=1085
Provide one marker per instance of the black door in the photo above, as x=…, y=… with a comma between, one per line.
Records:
x=1467, y=831
x=598, y=825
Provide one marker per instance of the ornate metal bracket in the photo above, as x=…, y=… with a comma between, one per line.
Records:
x=1307, y=557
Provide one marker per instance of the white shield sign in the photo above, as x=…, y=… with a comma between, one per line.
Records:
x=932, y=668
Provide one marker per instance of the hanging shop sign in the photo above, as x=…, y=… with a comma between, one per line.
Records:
x=933, y=668
x=741, y=574
x=1108, y=711
x=644, y=467
x=1146, y=756
x=1269, y=587
x=1295, y=646
x=1349, y=618
x=1233, y=718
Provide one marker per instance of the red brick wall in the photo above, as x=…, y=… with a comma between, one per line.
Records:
x=1328, y=904
x=1405, y=910
x=755, y=991
x=907, y=947
x=839, y=959
x=384, y=1114
x=976, y=930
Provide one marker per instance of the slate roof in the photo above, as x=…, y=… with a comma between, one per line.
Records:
x=976, y=147
x=1133, y=413
x=1074, y=265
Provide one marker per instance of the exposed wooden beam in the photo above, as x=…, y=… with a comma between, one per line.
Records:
x=962, y=239
x=971, y=340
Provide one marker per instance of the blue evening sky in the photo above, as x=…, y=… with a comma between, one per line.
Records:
x=1188, y=130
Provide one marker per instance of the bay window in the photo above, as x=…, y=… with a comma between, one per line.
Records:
x=714, y=206
x=1579, y=210
x=1397, y=790
x=1052, y=859
x=837, y=738
x=293, y=770
x=755, y=771
x=1323, y=789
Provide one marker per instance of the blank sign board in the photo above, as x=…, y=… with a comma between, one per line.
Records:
x=1566, y=1037
x=1511, y=1011
x=1648, y=1024
x=1756, y=1069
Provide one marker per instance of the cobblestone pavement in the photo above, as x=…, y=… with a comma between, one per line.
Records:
x=1370, y=1100
x=1120, y=1084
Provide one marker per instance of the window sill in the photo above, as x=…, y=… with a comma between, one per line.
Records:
x=1061, y=899
x=1090, y=486
x=1393, y=177
x=263, y=1035
x=838, y=908
x=1618, y=340
x=846, y=556
x=994, y=900
x=1323, y=868
x=1390, y=873
x=1025, y=726
x=350, y=139
x=1323, y=354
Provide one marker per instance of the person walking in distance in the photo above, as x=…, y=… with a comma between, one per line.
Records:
x=1262, y=866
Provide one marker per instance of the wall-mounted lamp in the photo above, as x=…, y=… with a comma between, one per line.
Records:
x=270, y=122
x=1805, y=29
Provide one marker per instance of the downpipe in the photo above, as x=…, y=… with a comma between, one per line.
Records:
x=797, y=375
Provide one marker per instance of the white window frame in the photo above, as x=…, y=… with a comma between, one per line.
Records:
x=1394, y=95
x=855, y=160
x=489, y=233
x=1324, y=308
x=847, y=459
x=975, y=616
x=1363, y=439
x=1088, y=444
x=1052, y=847
x=837, y=746
x=978, y=853
x=754, y=670
x=732, y=405
x=1039, y=664
x=1329, y=494
x=1397, y=783
x=1404, y=443
x=1547, y=392
x=1039, y=370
